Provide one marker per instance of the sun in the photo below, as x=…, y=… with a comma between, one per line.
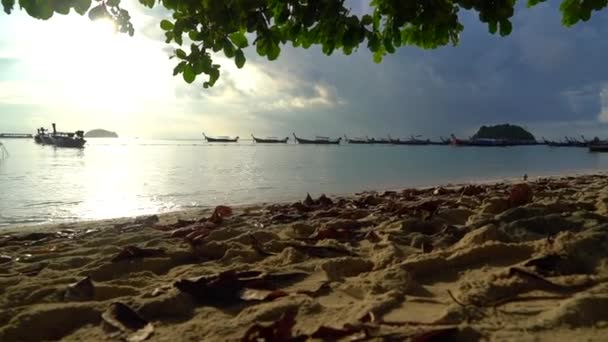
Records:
x=98, y=70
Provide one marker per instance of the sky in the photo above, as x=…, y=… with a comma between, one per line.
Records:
x=77, y=73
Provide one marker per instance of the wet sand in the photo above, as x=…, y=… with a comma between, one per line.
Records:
x=497, y=261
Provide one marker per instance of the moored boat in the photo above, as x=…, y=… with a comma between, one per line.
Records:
x=222, y=139
x=597, y=145
x=64, y=139
x=318, y=140
x=357, y=141
x=379, y=141
x=411, y=141
x=42, y=137
x=600, y=147
x=270, y=140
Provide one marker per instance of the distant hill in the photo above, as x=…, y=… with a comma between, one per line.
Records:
x=100, y=133
x=506, y=131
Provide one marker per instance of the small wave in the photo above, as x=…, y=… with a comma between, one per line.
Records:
x=49, y=203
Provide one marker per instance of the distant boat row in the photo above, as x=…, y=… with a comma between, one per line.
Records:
x=60, y=139
x=595, y=145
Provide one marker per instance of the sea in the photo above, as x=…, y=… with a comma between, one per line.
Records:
x=122, y=177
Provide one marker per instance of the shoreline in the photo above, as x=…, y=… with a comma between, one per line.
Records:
x=288, y=199
x=498, y=261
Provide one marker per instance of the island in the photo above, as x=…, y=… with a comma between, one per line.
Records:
x=504, y=132
x=100, y=133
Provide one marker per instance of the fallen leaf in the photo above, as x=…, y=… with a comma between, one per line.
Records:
x=119, y=317
x=261, y=295
x=322, y=251
x=278, y=331
x=134, y=252
x=329, y=333
x=80, y=290
x=444, y=334
x=226, y=288
x=309, y=201
x=520, y=194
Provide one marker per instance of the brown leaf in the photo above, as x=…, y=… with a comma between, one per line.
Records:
x=120, y=317
x=322, y=251
x=324, y=201
x=520, y=194
x=261, y=295
x=257, y=246
x=223, y=211
x=329, y=333
x=332, y=233
x=81, y=290
x=472, y=190
x=32, y=270
x=225, y=288
x=278, y=331
x=134, y=252
x=309, y=201
x=444, y=334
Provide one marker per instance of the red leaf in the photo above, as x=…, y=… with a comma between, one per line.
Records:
x=520, y=194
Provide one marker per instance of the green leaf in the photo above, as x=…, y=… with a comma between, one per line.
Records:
x=378, y=55
x=178, y=39
x=62, y=6
x=239, y=39
x=179, y=68
x=260, y=46
x=366, y=20
x=273, y=50
x=98, y=12
x=505, y=27
x=239, y=58
x=228, y=48
x=181, y=54
x=166, y=25
x=147, y=3
x=188, y=74
x=8, y=5
x=112, y=3
x=493, y=26
x=532, y=3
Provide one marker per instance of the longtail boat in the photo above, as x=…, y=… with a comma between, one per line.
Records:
x=597, y=145
x=221, y=139
x=270, y=140
x=64, y=139
x=42, y=137
x=411, y=141
x=359, y=141
x=318, y=140
x=379, y=141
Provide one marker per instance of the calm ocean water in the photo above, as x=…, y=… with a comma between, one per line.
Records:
x=125, y=177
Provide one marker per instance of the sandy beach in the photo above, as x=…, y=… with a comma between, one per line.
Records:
x=501, y=261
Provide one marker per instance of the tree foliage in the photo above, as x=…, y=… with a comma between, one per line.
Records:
x=203, y=27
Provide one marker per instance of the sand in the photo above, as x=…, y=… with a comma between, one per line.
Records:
x=463, y=263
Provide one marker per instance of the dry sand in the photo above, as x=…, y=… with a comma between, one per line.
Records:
x=460, y=263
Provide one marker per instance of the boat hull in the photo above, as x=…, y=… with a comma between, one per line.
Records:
x=220, y=140
x=598, y=148
x=68, y=142
x=270, y=141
